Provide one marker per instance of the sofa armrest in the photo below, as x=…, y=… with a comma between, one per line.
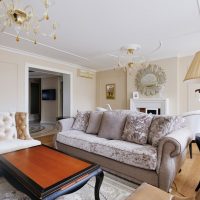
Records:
x=176, y=142
x=171, y=153
x=65, y=124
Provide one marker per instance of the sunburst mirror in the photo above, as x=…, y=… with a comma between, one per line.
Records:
x=149, y=80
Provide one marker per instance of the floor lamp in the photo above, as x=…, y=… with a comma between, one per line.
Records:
x=193, y=74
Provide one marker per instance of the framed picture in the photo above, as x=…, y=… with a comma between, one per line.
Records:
x=110, y=91
x=135, y=95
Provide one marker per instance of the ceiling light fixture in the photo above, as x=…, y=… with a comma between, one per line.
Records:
x=127, y=57
x=24, y=19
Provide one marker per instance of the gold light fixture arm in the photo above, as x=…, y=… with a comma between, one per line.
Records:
x=23, y=19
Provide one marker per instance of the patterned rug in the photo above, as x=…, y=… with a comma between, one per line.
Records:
x=43, y=129
x=110, y=190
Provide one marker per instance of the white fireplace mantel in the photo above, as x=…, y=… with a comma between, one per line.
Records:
x=150, y=105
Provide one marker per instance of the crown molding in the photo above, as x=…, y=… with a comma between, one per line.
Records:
x=47, y=46
x=44, y=58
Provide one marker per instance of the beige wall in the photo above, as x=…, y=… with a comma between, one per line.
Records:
x=181, y=95
x=49, y=109
x=108, y=77
x=9, y=81
x=13, y=82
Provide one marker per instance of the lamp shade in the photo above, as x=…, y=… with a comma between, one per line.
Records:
x=194, y=69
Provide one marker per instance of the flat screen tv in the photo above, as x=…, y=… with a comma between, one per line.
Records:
x=49, y=94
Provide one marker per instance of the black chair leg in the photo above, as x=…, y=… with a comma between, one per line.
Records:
x=190, y=149
x=197, y=188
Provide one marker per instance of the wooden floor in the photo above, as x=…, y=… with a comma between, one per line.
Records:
x=189, y=177
x=184, y=183
x=47, y=140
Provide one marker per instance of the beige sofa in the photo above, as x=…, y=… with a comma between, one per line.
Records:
x=154, y=164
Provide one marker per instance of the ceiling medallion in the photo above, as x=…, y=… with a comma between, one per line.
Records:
x=128, y=57
x=24, y=20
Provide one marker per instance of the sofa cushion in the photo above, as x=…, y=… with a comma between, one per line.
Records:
x=7, y=126
x=22, y=127
x=112, y=124
x=78, y=139
x=94, y=122
x=81, y=121
x=137, y=127
x=162, y=126
x=143, y=156
x=7, y=146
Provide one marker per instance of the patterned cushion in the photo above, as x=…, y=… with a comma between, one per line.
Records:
x=94, y=122
x=137, y=128
x=7, y=126
x=112, y=124
x=81, y=121
x=78, y=139
x=162, y=126
x=143, y=156
x=21, y=119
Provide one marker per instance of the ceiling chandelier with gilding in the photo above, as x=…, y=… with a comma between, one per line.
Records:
x=25, y=19
x=127, y=57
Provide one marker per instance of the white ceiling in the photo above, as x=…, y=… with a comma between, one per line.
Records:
x=90, y=30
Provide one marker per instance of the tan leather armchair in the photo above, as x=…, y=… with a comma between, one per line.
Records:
x=149, y=192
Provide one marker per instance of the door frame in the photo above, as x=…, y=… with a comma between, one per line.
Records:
x=52, y=69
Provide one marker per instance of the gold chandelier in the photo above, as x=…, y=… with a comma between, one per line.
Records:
x=24, y=19
x=127, y=57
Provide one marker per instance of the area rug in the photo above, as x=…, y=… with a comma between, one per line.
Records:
x=43, y=129
x=110, y=190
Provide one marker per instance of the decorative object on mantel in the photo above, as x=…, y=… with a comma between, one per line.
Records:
x=127, y=59
x=193, y=73
x=135, y=95
x=85, y=74
x=24, y=19
x=150, y=80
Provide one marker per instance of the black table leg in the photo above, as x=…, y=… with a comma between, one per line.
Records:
x=99, y=180
x=197, y=139
x=197, y=188
x=190, y=149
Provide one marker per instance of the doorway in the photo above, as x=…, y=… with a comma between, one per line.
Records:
x=35, y=99
x=42, y=80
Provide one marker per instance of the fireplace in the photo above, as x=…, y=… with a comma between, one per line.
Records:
x=150, y=105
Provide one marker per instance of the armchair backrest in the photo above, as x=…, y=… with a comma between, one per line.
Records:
x=14, y=125
x=7, y=126
x=22, y=125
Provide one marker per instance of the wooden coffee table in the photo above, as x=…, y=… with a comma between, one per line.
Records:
x=45, y=173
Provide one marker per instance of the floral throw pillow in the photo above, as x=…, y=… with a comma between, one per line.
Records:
x=137, y=127
x=162, y=126
x=82, y=120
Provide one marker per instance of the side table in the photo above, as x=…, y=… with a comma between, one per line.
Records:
x=197, y=139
